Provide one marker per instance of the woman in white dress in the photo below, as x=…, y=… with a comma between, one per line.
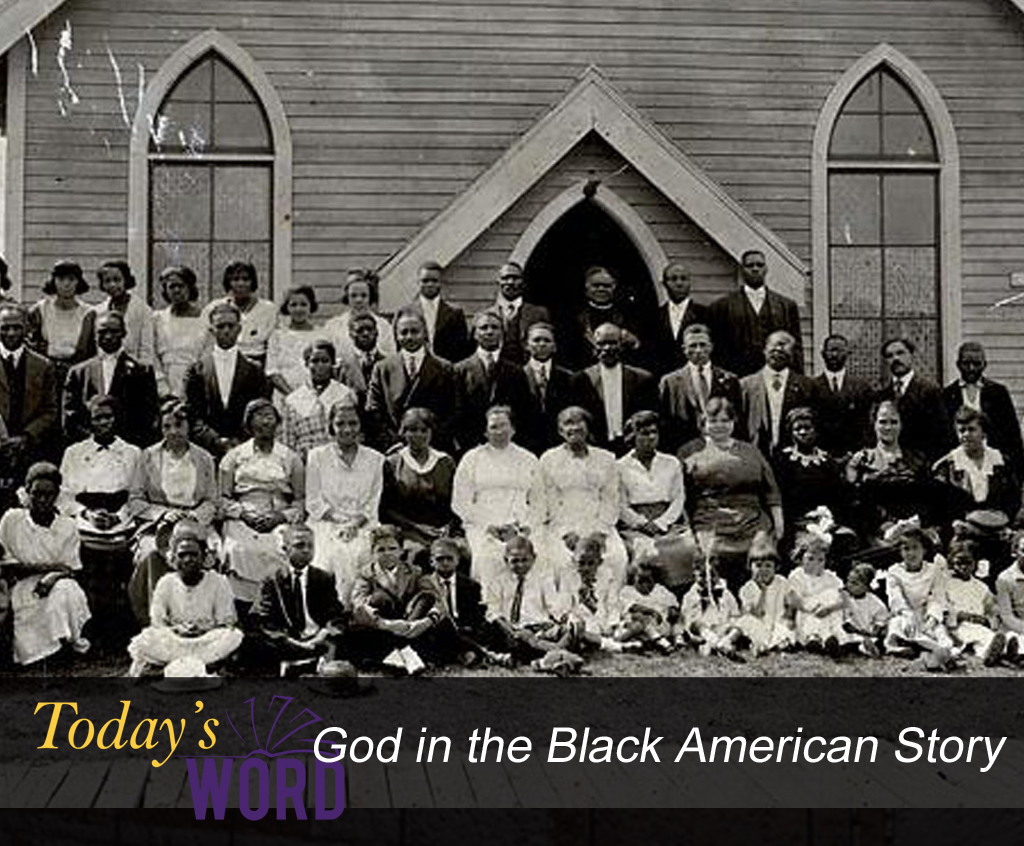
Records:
x=286, y=367
x=117, y=281
x=343, y=491
x=57, y=323
x=262, y=485
x=491, y=494
x=41, y=557
x=259, y=316
x=360, y=297
x=577, y=494
x=182, y=335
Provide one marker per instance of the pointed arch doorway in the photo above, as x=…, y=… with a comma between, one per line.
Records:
x=586, y=235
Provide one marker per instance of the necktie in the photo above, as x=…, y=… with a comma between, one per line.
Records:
x=367, y=366
x=897, y=388
x=517, y=600
x=703, y=387
x=542, y=386
x=299, y=613
x=449, y=589
x=777, y=382
x=410, y=366
x=835, y=384
x=488, y=363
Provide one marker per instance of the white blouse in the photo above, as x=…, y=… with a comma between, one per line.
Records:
x=493, y=486
x=578, y=494
x=337, y=491
x=640, y=486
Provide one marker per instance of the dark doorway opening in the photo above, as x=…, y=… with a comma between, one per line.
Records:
x=584, y=236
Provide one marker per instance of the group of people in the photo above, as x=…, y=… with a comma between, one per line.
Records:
x=241, y=488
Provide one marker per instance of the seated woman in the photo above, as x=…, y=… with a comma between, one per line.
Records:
x=418, y=483
x=974, y=476
x=98, y=473
x=306, y=409
x=286, y=368
x=360, y=295
x=732, y=493
x=177, y=480
x=181, y=333
x=889, y=483
x=192, y=615
x=652, y=519
x=808, y=477
x=343, y=492
x=262, y=486
x=577, y=494
x=491, y=494
x=393, y=605
x=40, y=560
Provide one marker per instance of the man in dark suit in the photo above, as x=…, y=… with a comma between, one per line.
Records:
x=991, y=398
x=112, y=372
x=356, y=371
x=844, y=402
x=485, y=379
x=412, y=378
x=602, y=306
x=517, y=315
x=771, y=393
x=663, y=349
x=28, y=394
x=457, y=633
x=221, y=384
x=298, y=616
x=683, y=394
x=446, y=327
x=925, y=427
x=742, y=321
x=551, y=388
x=612, y=391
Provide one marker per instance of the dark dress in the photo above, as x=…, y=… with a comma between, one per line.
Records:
x=418, y=500
x=885, y=491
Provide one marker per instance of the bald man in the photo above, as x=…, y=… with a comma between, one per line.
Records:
x=612, y=391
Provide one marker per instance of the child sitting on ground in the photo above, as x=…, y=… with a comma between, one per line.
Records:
x=1010, y=600
x=592, y=593
x=971, y=615
x=814, y=594
x=764, y=618
x=649, y=610
x=864, y=614
x=708, y=613
x=916, y=587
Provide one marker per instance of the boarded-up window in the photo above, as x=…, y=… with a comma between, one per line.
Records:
x=211, y=161
x=884, y=226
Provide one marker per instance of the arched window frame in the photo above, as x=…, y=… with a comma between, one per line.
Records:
x=211, y=41
x=948, y=193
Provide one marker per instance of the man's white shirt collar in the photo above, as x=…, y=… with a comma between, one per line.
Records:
x=756, y=296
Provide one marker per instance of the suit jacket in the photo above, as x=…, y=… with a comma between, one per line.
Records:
x=1003, y=430
x=513, y=346
x=639, y=392
x=844, y=418
x=799, y=391
x=475, y=393
x=680, y=407
x=39, y=400
x=576, y=336
x=390, y=394
x=537, y=424
x=275, y=611
x=352, y=373
x=663, y=351
x=133, y=386
x=210, y=419
x=450, y=340
x=739, y=332
x=925, y=426
x=468, y=600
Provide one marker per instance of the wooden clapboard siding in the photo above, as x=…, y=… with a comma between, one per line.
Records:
x=396, y=107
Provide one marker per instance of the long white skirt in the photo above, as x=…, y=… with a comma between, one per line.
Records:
x=42, y=623
x=342, y=558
